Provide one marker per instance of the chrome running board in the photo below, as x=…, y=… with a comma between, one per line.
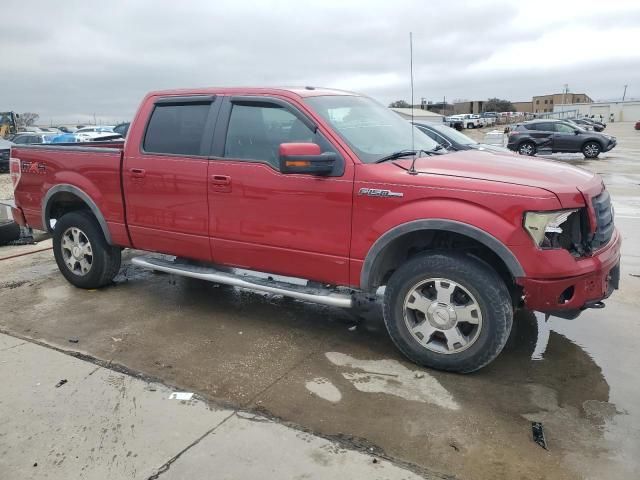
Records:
x=323, y=296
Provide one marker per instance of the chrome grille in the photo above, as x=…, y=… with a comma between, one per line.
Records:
x=604, y=219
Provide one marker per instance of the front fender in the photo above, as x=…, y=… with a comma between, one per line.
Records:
x=505, y=225
x=497, y=231
x=369, y=270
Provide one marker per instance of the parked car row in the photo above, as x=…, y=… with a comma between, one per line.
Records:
x=89, y=131
x=588, y=124
x=85, y=134
x=558, y=136
x=485, y=119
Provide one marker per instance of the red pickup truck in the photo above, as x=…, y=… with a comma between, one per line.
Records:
x=333, y=188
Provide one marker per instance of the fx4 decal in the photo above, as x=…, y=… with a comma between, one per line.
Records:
x=38, y=168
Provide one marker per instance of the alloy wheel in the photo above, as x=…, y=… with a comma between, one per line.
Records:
x=526, y=149
x=442, y=315
x=591, y=150
x=77, y=251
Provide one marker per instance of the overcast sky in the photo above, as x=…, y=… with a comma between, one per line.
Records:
x=68, y=60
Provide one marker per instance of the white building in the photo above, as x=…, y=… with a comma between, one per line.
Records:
x=627, y=111
x=419, y=115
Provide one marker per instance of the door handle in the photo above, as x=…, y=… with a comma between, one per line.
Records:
x=220, y=180
x=137, y=172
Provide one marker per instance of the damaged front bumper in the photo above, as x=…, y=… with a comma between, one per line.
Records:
x=567, y=297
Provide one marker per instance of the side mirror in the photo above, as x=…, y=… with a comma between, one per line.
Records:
x=576, y=131
x=305, y=158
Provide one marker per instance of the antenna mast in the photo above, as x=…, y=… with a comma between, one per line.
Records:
x=411, y=69
x=412, y=170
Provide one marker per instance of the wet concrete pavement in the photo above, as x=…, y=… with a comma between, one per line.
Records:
x=306, y=365
x=96, y=423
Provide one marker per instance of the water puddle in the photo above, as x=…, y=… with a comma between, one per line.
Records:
x=324, y=389
x=393, y=378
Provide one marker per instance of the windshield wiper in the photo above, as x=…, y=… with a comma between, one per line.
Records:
x=408, y=153
x=395, y=155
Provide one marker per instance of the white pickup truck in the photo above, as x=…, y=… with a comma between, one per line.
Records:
x=489, y=118
x=472, y=121
x=465, y=120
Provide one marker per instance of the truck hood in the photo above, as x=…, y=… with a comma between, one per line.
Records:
x=565, y=181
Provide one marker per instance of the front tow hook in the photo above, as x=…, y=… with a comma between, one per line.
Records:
x=597, y=304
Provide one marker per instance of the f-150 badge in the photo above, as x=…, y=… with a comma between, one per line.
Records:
x=376, y=192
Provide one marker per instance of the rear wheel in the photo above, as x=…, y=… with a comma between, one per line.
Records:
x=82, y=253
x=448, y=311
x=527, y=148
x=591, y=149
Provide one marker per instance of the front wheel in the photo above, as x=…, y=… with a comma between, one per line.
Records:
x=527, y=148
x=591, y=149
x=448, y=311
x=83, y=255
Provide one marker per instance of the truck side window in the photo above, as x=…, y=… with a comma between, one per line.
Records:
x=255, y=132
x=176, y=129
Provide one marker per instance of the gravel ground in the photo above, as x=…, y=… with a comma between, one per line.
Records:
x=6, y=190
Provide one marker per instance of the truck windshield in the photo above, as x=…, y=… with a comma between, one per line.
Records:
x=372, y=130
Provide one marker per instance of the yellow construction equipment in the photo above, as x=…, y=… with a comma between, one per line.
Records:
x=8, y=123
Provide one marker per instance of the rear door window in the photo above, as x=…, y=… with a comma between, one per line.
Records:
x=176, y=129
x=545, y=127
x=564, y=128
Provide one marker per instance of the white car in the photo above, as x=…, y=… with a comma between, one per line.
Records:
x=94, y=131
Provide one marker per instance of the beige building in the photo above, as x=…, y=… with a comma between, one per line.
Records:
x=545, y=103
x=477, y=107
x=474, y=107
x=525, y=107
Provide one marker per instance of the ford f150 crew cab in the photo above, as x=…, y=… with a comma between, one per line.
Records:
x=335, y=189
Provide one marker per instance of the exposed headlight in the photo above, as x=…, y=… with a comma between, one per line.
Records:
x=544, y=226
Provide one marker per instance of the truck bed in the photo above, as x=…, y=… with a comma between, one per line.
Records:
x=93, y=168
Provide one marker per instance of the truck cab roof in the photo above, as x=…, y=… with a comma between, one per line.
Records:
x=302, y=91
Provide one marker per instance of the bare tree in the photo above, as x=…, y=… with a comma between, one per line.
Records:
x=28, y=119
x=399, y=104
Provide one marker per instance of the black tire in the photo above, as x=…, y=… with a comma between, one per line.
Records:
x=105, y=259
x=479, y=280
x=470, y=126
x=527, y=148
x=591, y=149
x=9, y=231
